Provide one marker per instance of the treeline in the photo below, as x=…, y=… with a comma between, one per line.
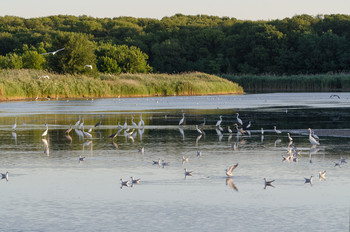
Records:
x=302, y=44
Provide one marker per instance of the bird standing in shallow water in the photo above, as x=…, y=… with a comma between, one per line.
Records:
x=277, y=131
x=182, y=119
x=312, y=139
x=239, y=120
x=45, y=132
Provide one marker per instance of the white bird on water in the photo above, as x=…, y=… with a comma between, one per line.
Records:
x=45, y=132
x=182, y=119
x=14, y=125
x=312, y=139
x=277, y=131
x=78, y=122
x=141, y=122
x=230, y=170
x=54, y=52
x=238, y=119
x=219, y=122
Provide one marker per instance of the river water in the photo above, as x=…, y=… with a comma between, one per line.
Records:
x=49, y=189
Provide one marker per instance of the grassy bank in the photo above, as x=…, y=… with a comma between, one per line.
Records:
x=26, y=84
x=294, y=83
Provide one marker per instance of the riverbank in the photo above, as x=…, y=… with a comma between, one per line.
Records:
x=293, y=83
x=30, y=84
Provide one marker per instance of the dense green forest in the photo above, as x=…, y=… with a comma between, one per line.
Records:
x=302, y=44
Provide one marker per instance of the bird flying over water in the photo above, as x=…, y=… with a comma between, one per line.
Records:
x=230, y=170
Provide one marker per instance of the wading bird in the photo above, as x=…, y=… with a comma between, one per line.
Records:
x=277, y=131
x=312, y=139
x=14, y=125
x=238, y=119
x=45, y=132
x=219, y=122
x=182, y=119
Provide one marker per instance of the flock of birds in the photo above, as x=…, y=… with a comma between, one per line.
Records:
x=293, y=152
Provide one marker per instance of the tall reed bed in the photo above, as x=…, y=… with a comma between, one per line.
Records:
x=24, y=84
x=294, y=83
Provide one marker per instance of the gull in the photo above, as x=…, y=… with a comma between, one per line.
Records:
x=185, y=159
x=188, y=173
x=54, y=52
x=156, y=162
x=230, y=170
x=135, y=181
x=230, y=183
x=239, y=120
x=182, y=119
x=219, y=122
x=308, y=180
x=45, y=132
x=81, y=158
x=277, y=131
x=268, y=183
x=199, y=153
x=249, y=125
x=312, y=139
x=14, y=125
x=124, y=183
x=322, y=175
x=88, y=66
x=5, y=176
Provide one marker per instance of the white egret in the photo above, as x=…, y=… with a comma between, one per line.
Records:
x=132, y=121
x=238, y=119
x=290, y=138
x=230, y=170
x=125, y=124
x=277, y=131
x=45, y=77
x=182, y=119
x=229, y=130
x=88, y=66
x=312, y=139
x=87, y=134
x=219, y=122
x=14, y=125
x=78, y=122
x=81, y=124
x=249, y=125
x=199, y=131
x=45, y=132
x=54, y=52
x=141, y=122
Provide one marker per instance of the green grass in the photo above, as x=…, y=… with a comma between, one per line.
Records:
x=294, y=83
x=27, y=84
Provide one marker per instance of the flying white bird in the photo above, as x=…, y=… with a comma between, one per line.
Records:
x=230, y=170
x=54, y=52
x=88, y=66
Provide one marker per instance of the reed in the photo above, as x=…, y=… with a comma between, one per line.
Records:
x=294, y=83
x=27, y=84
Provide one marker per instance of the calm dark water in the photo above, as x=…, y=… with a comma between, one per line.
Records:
x=53, y=191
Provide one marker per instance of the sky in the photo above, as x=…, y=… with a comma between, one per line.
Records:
x=239, y=9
